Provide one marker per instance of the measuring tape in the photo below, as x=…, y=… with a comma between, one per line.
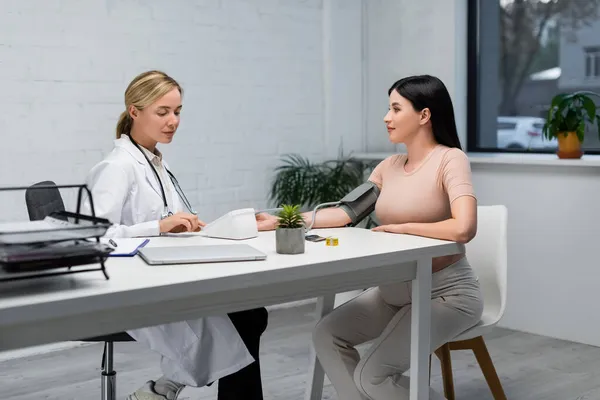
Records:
x=331, y=241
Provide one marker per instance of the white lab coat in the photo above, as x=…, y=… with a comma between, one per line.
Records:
x=126, y=192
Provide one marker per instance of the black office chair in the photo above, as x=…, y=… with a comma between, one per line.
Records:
x=42, y=199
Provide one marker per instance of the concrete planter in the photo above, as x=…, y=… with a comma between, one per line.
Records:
x=289, y=241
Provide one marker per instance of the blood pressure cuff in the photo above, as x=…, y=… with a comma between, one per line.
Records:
x=360, y=202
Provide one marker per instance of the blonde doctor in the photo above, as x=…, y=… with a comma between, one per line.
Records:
x=134, y=189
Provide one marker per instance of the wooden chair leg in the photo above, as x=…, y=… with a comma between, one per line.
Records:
x=443, y=353
x=487, y=367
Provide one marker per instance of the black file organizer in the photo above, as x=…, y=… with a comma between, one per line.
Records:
x=51, y=252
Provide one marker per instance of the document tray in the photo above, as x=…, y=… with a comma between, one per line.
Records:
x=58, y=226
x=27, y=258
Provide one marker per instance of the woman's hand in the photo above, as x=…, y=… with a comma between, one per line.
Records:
x=266, y=222
x=392, y=228
x=180, y=222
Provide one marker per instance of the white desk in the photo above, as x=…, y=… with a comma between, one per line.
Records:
x=72, y=307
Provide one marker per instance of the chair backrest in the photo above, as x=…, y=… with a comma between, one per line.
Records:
x=42, y=199
x=487, y=254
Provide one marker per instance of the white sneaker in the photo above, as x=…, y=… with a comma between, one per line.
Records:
x=147, y=392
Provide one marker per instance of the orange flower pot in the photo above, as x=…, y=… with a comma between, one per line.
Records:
x=569, y=145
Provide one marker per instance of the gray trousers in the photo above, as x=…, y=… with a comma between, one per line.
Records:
x=383, y=315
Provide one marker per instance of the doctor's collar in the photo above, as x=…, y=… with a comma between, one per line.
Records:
x=152, y=156
x=127, y=142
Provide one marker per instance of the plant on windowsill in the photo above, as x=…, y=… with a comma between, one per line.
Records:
x=567, y=119
x=289, y=235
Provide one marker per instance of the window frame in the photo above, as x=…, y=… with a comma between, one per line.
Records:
x=592, y=56
x=473, y=79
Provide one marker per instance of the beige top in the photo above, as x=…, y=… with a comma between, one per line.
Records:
x=425, y=193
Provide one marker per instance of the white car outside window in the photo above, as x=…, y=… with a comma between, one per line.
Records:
x=523, y=133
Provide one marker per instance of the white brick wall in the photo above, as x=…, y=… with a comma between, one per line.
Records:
x=408, y=37
x=252, y=71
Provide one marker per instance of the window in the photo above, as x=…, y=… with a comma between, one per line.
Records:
x=521, y=53
x=538, y=125
x=592, y=62
x=506, y=125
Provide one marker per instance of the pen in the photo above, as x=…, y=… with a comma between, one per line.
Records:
x=112, y=242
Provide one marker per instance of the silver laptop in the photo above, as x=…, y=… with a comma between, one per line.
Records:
x=200, y=254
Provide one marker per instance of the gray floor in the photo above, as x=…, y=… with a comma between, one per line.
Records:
x=531, y=367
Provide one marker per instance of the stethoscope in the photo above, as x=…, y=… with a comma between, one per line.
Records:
x=166, y=212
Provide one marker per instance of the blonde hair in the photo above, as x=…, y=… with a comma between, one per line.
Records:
x=144, y=90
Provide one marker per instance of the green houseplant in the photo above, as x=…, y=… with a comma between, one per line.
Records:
x=300, y=181
x=289, y=235
x=566, y=121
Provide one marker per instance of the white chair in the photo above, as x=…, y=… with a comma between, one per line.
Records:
x=487, y=254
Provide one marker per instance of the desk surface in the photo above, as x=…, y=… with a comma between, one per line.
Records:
x=75, y=306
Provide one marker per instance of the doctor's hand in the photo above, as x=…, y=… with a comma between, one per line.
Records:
x=181, y=222
x=266, y=222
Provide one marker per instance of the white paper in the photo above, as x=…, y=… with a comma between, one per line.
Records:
x=31, y=226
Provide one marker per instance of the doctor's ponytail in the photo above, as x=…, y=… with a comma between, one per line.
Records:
x=144, y=90
x=124, y=124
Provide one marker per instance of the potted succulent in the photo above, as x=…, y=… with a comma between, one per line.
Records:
x=567, y=120
x=289, y=235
